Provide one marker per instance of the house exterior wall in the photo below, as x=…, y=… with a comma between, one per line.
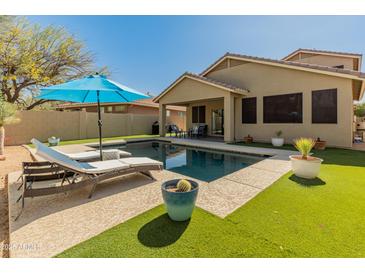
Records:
x=263, y=80
x=324, y=60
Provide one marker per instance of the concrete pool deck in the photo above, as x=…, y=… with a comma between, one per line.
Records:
x=51, y=224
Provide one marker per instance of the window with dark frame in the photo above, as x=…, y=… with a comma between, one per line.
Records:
x=249, y=110
x=198, y=113
x=286, y=108
x=324, y=106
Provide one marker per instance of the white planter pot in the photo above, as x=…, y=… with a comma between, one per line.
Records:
x=277, y=142
x=308, y=169
x=54, y=142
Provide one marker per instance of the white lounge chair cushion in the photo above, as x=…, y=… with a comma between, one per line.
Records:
x=103, y=166
x=82, y=156
x=140, y=161
x=90, y=168
x=55, y=157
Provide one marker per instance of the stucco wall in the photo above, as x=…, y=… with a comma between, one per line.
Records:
x=75, y=125
x=263, y=80
x=330, y=61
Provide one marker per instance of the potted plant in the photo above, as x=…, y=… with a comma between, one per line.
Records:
x=179, y=197
x=7, y=116
x=320, y=144
x=277, y=141
x=304, y=165
x=248, y=139
x=53, y=141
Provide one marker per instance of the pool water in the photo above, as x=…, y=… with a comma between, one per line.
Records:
x=201, y=164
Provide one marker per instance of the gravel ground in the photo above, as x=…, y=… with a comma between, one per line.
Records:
x=15, y=155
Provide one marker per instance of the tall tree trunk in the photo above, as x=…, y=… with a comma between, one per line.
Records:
x=2, y=142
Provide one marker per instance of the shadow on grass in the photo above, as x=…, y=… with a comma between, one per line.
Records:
x=161, y=231
x=307, y=182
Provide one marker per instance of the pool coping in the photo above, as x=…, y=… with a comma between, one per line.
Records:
x=250, y=180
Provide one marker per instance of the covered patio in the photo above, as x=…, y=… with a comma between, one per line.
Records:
x=209, y=103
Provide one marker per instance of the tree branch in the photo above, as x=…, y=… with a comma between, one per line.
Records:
x=36, y=103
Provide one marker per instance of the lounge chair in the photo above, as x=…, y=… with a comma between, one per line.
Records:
x=87, y=155
x=87, y=173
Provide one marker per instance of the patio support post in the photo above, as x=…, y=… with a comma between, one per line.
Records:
x=162, y=120
x=229, y=118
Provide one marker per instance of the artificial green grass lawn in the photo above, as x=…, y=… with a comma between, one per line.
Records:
x=292, y=218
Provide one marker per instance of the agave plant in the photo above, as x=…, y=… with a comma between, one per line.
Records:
x=304, y=146
x=7, y=116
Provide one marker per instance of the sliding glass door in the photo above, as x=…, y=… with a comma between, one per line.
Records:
x=218, y=121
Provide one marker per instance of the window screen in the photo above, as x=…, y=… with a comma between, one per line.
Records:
x=324, y=106
x=287, y=108
x=249, y=111
x=198, y=114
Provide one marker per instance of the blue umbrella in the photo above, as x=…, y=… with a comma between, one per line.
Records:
x=92, y=89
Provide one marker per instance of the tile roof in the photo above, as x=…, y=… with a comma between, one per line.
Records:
x=322, y=51
x=203, y=79
x=290, y=63
x=215, y=82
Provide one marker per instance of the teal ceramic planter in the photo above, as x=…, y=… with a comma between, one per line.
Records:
x=179, y=205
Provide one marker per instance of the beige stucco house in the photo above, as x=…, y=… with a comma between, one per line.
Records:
x=307, y=93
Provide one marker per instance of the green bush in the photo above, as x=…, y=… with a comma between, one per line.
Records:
x=360, y=110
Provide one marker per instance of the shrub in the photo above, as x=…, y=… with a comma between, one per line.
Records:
x=360, y=110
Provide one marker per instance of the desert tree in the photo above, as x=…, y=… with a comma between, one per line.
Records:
x=32, y=57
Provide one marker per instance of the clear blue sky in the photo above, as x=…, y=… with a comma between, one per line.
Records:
x=149, y=52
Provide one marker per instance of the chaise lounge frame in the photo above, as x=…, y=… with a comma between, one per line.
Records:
x=86, y=179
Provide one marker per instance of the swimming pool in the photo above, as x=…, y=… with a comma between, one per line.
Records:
x=202, y=164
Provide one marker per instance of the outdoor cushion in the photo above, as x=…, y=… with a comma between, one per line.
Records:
x=91, y=168
x=83, y=156
x=103, y=166
x=140, y=161
x=55, y=156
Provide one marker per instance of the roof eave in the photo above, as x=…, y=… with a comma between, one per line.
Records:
x=185, y=75
x=362, y=90
x=351, y=55
x=278, y=64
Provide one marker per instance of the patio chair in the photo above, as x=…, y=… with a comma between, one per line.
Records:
x=87, y=173
x=175, y=129
x=199, y=131
x=193, y=131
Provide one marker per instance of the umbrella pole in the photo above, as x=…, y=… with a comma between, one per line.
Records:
x=100, y=124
